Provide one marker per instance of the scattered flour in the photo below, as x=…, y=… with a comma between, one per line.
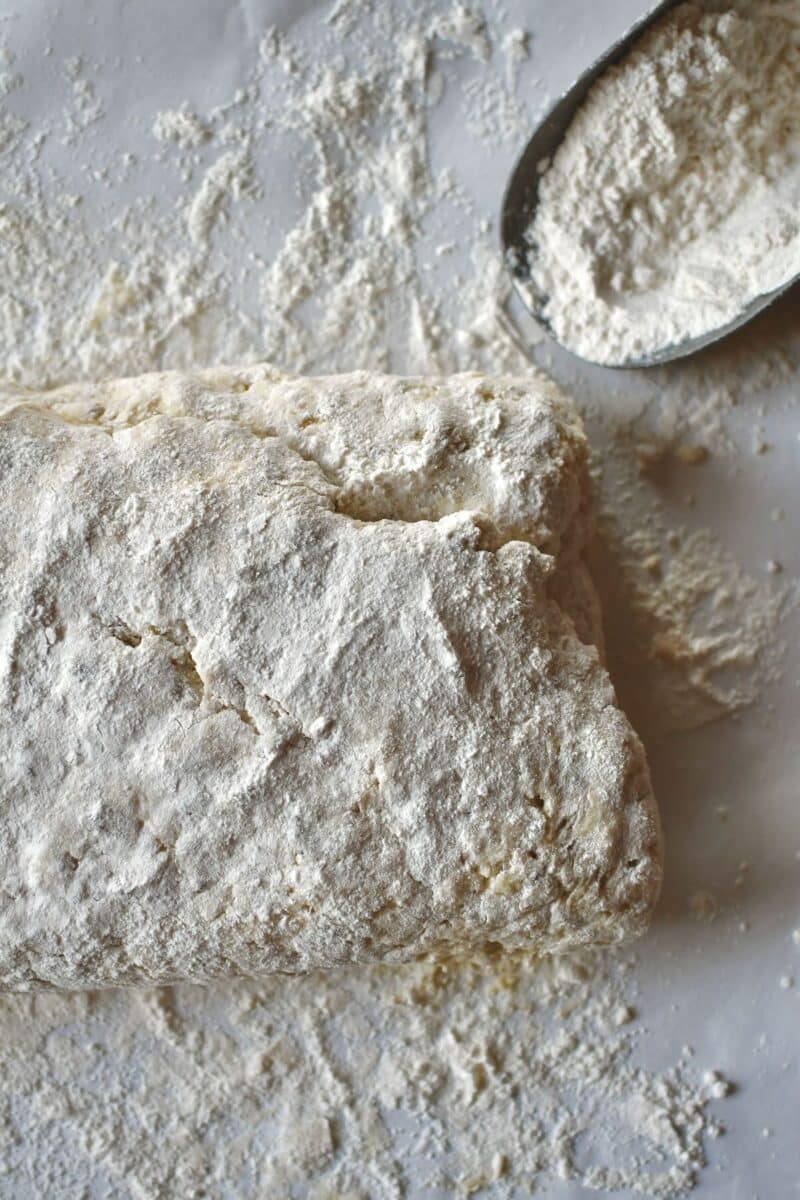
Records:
x=350, y=282
x=676, y=600
x=502, y=1075
x=180, y=125
x=438, y=1081
x=672, y=202
x=227, y=180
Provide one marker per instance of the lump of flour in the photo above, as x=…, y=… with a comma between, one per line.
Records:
x=673, y=200
x=301, y=672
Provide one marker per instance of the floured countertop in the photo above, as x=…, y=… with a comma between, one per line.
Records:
x=318, y=185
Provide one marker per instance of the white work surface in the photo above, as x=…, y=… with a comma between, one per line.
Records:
x=712, y=984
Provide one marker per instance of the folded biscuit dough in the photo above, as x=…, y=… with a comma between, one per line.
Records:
x=303, y=672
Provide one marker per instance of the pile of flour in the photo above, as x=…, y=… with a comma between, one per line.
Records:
x=674, y=198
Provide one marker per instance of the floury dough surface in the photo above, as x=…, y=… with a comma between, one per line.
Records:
x=672, y=202
x=291, y=677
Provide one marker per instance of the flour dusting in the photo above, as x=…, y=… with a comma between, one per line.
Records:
x=478, y=1078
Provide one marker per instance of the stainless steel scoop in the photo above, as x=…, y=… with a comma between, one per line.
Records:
x=521, y=198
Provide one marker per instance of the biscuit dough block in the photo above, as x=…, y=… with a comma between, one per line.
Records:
x=303, y=672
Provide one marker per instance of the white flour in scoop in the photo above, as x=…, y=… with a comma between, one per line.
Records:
x=674, y=198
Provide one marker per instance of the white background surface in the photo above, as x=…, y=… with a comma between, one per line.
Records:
x=709, y=985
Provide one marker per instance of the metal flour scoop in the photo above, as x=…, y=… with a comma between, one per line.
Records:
x=521, y=198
